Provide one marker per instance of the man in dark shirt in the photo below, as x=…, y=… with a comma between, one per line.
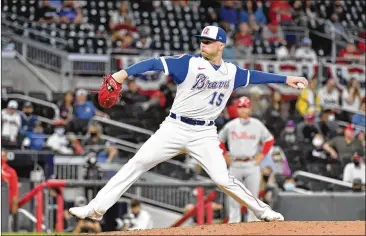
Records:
x=343, y=147
x=29, y=120
x=46, y=13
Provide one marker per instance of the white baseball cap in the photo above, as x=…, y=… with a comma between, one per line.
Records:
x=81, y=92
x=213, y=33
x=13, y=104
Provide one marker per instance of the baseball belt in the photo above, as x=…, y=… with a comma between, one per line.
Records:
x=246, y=159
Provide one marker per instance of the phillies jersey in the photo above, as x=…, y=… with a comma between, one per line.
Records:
x=244, y=136
x=203, y=89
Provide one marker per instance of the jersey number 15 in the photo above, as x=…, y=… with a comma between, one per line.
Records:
x=218, y=100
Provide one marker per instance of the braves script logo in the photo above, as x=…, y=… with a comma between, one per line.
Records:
x=203, y=82
x=205, y=31
x=242, y=135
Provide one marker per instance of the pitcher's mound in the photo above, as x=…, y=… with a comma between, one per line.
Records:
x=261, y=228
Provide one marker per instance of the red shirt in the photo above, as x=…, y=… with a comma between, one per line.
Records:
x=9, y=175
x=284, y=5
x=244, y=39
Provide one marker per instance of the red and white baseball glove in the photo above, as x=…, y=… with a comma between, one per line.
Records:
x=109, y=92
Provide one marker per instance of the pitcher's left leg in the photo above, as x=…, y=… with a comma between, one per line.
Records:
x=206, y=150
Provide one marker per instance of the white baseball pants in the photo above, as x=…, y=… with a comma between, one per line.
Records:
x=249, y=174
x=174, y=137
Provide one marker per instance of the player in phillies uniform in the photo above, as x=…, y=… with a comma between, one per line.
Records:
x=204, y=85
x=243, y=136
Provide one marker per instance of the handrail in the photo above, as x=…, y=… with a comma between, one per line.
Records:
x=344, y=124
x=32, y=218
x=120, y=141
x=35, y=100
x=341, y=108
x=322, y=178
x=122, y=125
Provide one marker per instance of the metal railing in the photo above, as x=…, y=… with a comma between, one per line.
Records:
x=122, y=125
x=322, y=178
x=37, y=101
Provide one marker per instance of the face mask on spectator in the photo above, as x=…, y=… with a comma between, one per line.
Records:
x=60, y=131
x=331, y=117
x=289, y=186
x=356, y=162
x=265, y=178
x=317, y=142
x=93, y=134
x=289, y=130
x=28, y=113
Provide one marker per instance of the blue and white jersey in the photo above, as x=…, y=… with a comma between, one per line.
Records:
x=203, y=89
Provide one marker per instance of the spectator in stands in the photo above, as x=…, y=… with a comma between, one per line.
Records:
x=288, y=136
x=286, y=51
x=58, y=141
x=10, y=176
x=306, y=130
x=316, y=156
x=309, y=98
x=228, y=14
x=168, y=91
x=123, y=26
x=360, y=119
x=298, y=10
x=360, y=134
x=351, y=96
x=70, y=14
x=305, y=53
x=274, y=117
x=46, y=12
x=343, y=147
x=106, y=152
x=290, y=184
x=357, y=185
x=329, y=94
x=84, y=110
x=36, y=140
x=337, y=25
x=66, y=108
x=280, y=11
x=134, y=94
x=268, y=186
x=255, y=28
x=11, y=122
x=29, y=120
x=137, y=218
x=253, y=8
x=144, y=41
x=310, y=10
x=244, y=38
x=272, y=33
x=351, y=54
x=326, y=125
x=259, y=102
x=354, y=170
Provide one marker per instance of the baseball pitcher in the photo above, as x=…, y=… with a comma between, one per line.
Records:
x=204, y=84
x=243, y=136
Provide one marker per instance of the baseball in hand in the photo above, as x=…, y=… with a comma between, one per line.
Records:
x=300, y=85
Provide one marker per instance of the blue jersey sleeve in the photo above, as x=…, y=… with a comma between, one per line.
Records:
x=154, y=64
x=176, y=66
x=244, y=77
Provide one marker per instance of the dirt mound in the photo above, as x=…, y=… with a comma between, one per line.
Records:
x=261, y=228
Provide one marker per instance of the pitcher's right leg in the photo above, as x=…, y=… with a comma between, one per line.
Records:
x=163, y=145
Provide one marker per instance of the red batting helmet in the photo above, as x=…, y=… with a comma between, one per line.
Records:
x=243, y=102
